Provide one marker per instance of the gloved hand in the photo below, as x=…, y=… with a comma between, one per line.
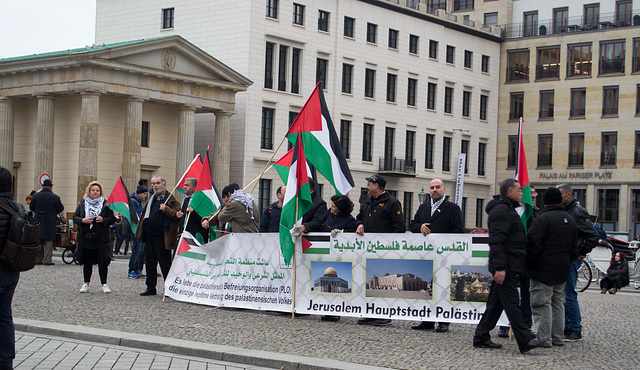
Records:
x=335, y=232
x=297, y=231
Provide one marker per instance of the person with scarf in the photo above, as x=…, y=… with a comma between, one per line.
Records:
x=239, y=213
x=617, y=274
x=93, y=220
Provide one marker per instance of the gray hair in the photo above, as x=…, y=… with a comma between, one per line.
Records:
x=565, y=188
x=161, y=179
x=507, y=185
x=192, y=180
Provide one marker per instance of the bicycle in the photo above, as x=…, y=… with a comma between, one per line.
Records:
x=585, y=276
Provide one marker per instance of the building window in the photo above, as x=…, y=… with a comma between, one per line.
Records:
x=432, y=5
x=282, y=68
x=323, y=21
x=367, y=140
x=298, y=14
x=431, y=96
x=413, y=44
x=393, y=39
x=451, y=50
x=321, y=71
x=347, y=77
x=272, y=9
x=548, y=63
x=518, y=65
x=264, y=194
x=484, y=101
x=372, y=32
x=512, y=156
x=448, y=99
x=292, y=118
x=485, y=63
x=468, y=59
x=167, y=18
x=608, y=206
x=637, y=100
x=295, y=71
x=446, y=154
x=490, y=19
x=407, y=208
x=144, y=137
x=623, y=13
x=546, y=104
x=560, y=19
x=576, y=150
x=433, y=49
x=578, y=103
x=636, y=151
x=612, y=57
x=389, y=140
x=580, y=60
x=268, y=65
x=609, y=151
x=429, y=148
x=545, y=150
x=462, y=5
x=610, y=100
x=479, y=212
x=636, y=56
x=409, y=148
x=391, y=87
x=482, y=157
x=516, y=105
x=530, y=24
x=466, y=103
x=349, y=24
x=411, y=92
x=266, y=132
x=591, y=16
x=369, y=83
x=345, y=136
x=464, y=148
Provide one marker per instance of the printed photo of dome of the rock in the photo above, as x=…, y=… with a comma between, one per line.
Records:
x=470, y=283
x=331, y=277
x=396, y=278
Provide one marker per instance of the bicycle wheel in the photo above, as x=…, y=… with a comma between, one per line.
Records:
x=584, y=277
x=636, y=283
x=68, y=256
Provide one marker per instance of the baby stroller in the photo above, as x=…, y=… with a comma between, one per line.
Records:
x=69, y=253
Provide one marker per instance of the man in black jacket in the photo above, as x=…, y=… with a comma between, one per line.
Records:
x=270, y=220
x=46, y=205
x=318, y=207
x=587, y=240
x=8, y=279
x=507, y=258
x=437, y=215
x=551, y=248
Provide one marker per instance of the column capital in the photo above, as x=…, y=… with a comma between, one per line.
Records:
x=4, y=99
x=187, y=108
x=223, y=114
x=90, y=93
x=44, y=96
x=135, y=99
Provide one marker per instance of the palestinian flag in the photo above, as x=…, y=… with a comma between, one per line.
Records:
x=185, y=247
x=320, y=138
x=205, y=200
x=522, y=175
x=120, y=201
x=297, y=200
x=192, y=171
x=282, y=166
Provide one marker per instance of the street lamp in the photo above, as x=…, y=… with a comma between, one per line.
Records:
x=422, y=196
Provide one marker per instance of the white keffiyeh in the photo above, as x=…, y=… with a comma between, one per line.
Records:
x=244, y=198
x=93, y=207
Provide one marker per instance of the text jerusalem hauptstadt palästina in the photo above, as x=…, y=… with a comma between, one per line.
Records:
x=399, y=311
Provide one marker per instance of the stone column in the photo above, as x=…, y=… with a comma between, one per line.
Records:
x=221, y=153
x=88, y=149
x=132, y=149
x=186, y=135
x=7, y=133
x=44, y=139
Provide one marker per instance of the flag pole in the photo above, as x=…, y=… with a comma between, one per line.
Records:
x=266, y=167
x=295, y=247
x=256, y=179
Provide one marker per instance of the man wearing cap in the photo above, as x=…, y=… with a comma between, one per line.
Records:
x=45, y=206
x=380, y=213
x=437, y=215
x=552, y=245
x=136, y=262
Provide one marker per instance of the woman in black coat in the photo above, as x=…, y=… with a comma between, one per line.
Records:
x=337, y=217
x=93, y=219
x=617, y=274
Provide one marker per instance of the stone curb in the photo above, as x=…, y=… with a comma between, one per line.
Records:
x=184, y=347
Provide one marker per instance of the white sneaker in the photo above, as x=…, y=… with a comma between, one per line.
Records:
x=85, y=288
x=105, y=288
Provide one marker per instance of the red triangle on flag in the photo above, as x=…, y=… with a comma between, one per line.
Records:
x=306, y=244
x=183, y=246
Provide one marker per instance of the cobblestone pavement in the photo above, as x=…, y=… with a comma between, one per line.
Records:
x=50, y=293
x=38, y=351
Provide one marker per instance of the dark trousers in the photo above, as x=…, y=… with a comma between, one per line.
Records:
x=8, y=282
x=124, y=237
x=503, y=297
x=525, y=301
x=87, y=268
x=136, y=261
x=156, y=253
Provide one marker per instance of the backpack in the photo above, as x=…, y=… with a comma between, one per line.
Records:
x=22, y=246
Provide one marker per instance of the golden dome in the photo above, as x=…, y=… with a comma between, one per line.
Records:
x=330, y=271
x=476, y=286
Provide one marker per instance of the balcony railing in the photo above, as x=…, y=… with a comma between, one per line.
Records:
x=609, y=110
x=577, y=112
x=518, y=73
x=548, y=71
x=396, y=164
x=582, y=68
x=615, y=65
x=572, y=24
x=576, y=159
x=636, y=64
x=544, y=160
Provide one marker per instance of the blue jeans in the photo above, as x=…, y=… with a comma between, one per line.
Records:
x=136, y=261
x=8, y=282
x=572, y=318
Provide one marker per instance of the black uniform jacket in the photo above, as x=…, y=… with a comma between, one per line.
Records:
x=507, y=240
x=381, y=215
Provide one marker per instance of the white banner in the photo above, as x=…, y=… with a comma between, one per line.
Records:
x=438, y=277
x=462, y=158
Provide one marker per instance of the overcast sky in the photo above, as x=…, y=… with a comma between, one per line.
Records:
x=38, y=26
